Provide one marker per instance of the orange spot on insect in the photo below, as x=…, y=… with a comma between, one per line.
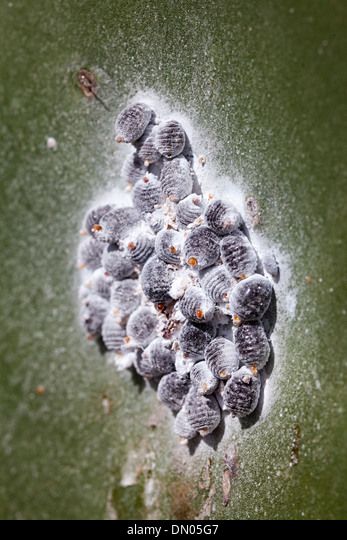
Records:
x=172, y=249
x=127, y=339
x=145, y=179
x=96, y=227
x=199, y=314
x=160, y=307
x=192, y=261
x=83, y=232
x=236, y=320
x=40, y=390
x=210, y=196
x=254, y=370
x=131, y=246
x=119, y=139
x=242, y=276
x=196, y=201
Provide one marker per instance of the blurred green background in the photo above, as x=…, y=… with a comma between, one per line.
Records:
x=266, y=83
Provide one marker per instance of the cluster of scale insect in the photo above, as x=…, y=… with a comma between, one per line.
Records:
x=174, y=285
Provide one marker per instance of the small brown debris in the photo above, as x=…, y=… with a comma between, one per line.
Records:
x=206, y=474
x=170, y=328
x=308, y=280
x=152, y=422
x=296, y=443
x=208, y=506
x=86, y=81
x=230, y=471
x=254, y=369
x=131, y=246
x=40, y=390
x=226, y=486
